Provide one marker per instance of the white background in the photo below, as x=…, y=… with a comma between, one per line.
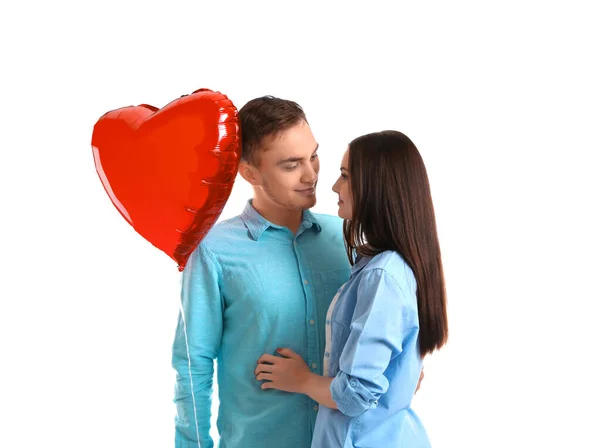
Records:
x=501, y=98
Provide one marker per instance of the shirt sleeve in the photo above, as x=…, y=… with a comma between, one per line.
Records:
x=376, y=334
x=197, y=343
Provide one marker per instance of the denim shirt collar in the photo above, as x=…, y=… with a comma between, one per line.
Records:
x=360, y=261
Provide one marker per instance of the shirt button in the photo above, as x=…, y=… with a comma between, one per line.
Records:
x=352, y=383
x=314, y=365
x=327, y=322
x=315, y=407
x=326, y=354
x=312, y=322
x=306, y=282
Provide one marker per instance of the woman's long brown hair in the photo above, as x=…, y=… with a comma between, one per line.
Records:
x=393, y=210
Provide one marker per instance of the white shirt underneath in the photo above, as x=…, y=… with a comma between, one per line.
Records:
x=328, y=331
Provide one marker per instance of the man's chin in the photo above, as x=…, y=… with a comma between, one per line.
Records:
x=304, y=203
x=311, y=201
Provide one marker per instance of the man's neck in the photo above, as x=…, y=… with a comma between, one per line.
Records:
x=280, y=216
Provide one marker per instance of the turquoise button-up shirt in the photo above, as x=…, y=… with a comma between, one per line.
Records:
x=374, y=358
x=249, y=288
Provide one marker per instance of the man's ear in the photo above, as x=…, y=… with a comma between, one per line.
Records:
x=250, y=173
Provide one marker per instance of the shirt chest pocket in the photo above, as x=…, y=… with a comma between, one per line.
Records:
x=269, y=295
x=331, y=281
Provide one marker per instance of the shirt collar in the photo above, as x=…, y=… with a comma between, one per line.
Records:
x=256, y=224
x=360, y=262
x=309, y=220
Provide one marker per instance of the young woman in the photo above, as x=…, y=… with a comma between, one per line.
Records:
x=388, y=315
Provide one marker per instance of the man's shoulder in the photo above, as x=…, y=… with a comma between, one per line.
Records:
x=327, y=217
x=329, y=222
x=223, y=232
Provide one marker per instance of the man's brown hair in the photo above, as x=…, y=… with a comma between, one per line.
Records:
x=263, y=117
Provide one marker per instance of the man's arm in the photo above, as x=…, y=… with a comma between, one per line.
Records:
x=197, y=344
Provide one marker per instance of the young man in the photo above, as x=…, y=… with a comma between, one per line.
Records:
x=259, y=281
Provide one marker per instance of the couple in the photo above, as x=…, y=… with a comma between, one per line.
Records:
x=319, y=327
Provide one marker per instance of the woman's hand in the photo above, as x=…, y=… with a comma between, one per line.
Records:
x=288, y=373
x=420, y=379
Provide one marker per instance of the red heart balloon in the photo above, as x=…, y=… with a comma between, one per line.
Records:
x=170, y=171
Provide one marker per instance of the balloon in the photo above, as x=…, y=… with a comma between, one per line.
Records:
x=170, y=171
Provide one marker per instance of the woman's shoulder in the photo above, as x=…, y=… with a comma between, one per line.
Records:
x=391, y=264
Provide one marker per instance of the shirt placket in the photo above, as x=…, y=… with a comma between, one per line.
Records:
x=311, y=320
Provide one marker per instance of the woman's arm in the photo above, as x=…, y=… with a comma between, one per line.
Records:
x=290, y=373
x=377, y=330
x=317, y=387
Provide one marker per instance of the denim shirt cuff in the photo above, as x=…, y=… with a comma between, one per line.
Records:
x=351, y=396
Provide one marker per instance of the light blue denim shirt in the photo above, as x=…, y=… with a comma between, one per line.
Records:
x=375, y=359
x=249, y=288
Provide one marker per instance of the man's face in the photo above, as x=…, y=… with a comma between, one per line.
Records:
x=289, y=168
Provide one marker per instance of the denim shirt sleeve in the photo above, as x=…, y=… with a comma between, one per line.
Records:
x=376, y=334
x=196, y=345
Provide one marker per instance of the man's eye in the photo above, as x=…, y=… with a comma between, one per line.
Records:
x=290, y=167
x=314, y=156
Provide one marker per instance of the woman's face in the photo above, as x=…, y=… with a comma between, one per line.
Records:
x=342, y=188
